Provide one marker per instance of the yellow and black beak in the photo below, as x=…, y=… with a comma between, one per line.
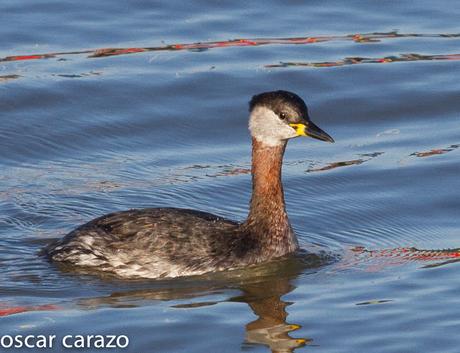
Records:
x=310, y=129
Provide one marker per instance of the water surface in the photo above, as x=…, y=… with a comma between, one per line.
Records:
x=108, y=106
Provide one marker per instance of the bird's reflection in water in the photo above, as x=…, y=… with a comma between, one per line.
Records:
x=262, y=288
x=271, y=327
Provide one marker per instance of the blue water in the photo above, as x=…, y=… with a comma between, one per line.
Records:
x=81, y=136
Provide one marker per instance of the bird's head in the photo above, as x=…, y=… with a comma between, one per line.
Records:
x=281, y=115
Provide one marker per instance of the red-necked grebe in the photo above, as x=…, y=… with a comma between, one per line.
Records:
x=172, y=242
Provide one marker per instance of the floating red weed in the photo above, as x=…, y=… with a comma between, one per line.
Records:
x=27, y=57
x=21, y=309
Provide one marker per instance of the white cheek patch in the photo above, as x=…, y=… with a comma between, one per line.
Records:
x=267, y=127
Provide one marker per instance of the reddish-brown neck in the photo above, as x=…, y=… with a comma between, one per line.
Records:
x=267, y=190
x=267, y=214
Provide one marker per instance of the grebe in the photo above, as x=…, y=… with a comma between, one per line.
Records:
x=172, y=242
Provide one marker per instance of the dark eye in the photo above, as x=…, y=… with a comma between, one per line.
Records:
x=283, y=116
